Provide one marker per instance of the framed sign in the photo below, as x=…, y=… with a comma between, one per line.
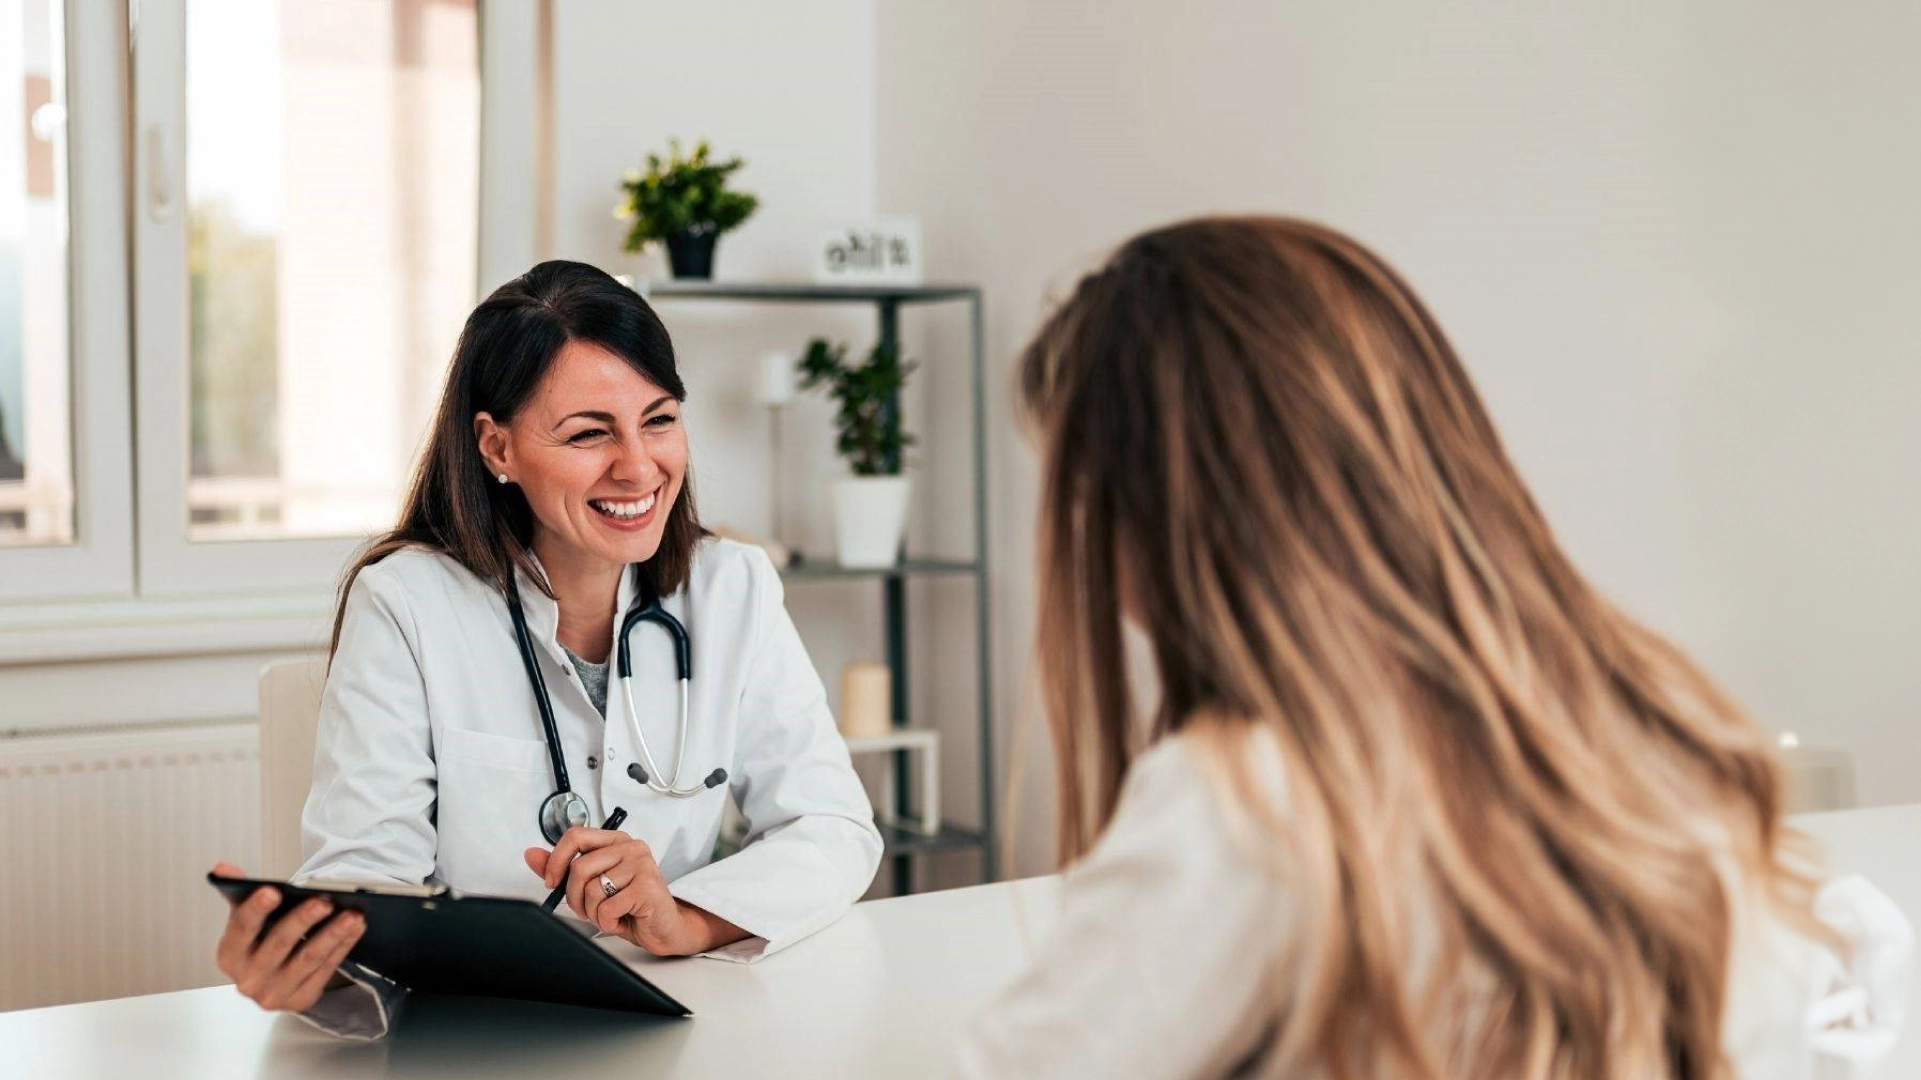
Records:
x=881, y=251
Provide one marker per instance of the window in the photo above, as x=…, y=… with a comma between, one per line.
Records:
x=66, y=499
x=337, y=319
x=301, y=296
x=36, y=447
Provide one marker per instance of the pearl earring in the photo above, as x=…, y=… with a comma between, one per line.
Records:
x=502, y=478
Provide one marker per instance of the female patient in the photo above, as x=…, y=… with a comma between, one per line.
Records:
x=1415, y=800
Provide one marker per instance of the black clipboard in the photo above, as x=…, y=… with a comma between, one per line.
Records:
x=437, y=941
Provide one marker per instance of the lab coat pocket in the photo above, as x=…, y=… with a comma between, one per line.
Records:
x=480, y=748
x=490, y=789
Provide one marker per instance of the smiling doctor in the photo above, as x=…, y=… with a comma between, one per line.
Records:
x=477, y=720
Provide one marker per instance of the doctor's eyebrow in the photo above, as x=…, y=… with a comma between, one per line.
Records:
x=603, y=417
x=607, y=417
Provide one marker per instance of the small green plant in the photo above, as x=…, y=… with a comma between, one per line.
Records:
x=871, y=439
x=681, y=196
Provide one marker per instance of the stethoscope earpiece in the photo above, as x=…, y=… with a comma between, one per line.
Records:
x=714, y=779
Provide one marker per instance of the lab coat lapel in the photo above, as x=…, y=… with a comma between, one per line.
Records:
x=624, y=596
x=543, y=614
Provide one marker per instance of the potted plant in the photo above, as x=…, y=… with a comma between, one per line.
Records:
x=870, y=507
x=684, y=203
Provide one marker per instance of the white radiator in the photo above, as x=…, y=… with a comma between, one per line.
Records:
x=105, y=841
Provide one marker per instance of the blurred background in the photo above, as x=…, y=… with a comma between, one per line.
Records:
x=1675, y=244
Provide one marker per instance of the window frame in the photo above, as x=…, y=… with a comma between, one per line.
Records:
x=99, y=562
x=170, y=565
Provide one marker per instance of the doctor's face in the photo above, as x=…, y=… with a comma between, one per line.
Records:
x=599, y=453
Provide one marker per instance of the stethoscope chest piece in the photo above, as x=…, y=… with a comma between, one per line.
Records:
x=563, y=810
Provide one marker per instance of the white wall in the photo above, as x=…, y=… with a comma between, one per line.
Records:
x=1675, y=243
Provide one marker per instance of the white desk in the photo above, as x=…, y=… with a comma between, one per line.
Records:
x=882, y=993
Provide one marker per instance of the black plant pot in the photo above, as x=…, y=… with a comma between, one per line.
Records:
x=691, y=255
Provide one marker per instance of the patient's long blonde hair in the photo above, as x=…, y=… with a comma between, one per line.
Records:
x=1254, y=430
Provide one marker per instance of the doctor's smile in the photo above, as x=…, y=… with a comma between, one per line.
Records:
x=637, y=514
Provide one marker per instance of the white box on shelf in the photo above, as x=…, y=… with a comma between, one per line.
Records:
x=880, y=251
x=916, y=740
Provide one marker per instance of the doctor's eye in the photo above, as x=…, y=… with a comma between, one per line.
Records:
x=664, y=420
x=581, y=438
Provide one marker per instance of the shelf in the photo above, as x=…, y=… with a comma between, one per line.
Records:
x=802, y=292
x=901, y=739
x=827, y=568
x=909, y=754
x=900, y=840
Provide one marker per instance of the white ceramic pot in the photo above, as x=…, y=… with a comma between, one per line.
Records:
x=870, y=518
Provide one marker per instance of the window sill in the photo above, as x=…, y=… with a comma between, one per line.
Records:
x=116, y=629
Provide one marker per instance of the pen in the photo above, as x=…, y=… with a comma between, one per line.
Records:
x=553, y=898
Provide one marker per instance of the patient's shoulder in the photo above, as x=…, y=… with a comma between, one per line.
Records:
x=1213, y=793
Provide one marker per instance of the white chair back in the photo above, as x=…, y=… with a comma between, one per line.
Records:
x=289, y=719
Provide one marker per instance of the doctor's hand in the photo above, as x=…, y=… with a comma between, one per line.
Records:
x=289, y=964
x=641, y=909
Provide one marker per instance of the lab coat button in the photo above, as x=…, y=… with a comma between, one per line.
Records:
x=593, y=762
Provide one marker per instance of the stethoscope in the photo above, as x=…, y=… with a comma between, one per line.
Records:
x=565, y=809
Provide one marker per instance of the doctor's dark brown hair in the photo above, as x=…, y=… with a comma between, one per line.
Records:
x=1507, y=806
x=453, y=504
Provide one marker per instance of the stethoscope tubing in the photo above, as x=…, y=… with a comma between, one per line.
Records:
x=541, y=700
x=672, y=786
x=564, y=806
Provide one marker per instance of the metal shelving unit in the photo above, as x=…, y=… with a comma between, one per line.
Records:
x=903, y=841
x=817, y=568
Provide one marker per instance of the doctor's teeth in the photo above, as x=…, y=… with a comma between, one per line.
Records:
x=623, y=509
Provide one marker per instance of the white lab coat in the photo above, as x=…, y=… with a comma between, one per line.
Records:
x=430, y=763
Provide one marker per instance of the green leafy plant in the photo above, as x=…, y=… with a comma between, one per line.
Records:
x=871, y=439
x=682, y=195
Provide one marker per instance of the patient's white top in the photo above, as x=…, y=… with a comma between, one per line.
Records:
x=1154, y=968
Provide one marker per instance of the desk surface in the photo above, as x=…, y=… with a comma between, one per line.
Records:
x=883, y=992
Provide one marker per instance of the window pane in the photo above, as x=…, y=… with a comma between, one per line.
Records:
x=333, y=152
x=36, y=437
